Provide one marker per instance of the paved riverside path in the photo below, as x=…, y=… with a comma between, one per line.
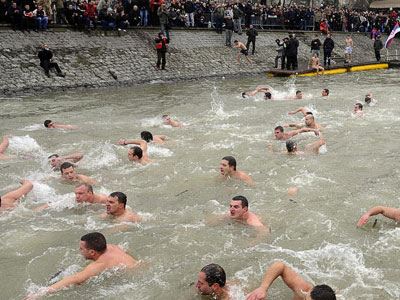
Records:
x=96, y=60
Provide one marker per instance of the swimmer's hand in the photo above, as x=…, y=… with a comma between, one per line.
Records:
x=363, y=220
x=258, y=294
x=122, y=142
x=39, y=294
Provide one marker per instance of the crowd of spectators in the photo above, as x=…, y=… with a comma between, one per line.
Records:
x=121, y=14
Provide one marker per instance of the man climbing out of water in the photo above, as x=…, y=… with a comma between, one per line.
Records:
x=168, y=121
x=211, y=281
x=388, y=212
x=348, y=50
x=242, y=50
x=280, y=135
x=300, y=287
x=315, y=65
x=51, y=124
x=259, y=89
x=56, y=160
x=68, y=173
x=93, y=246
x=156, y=139
x=116, y=209
x=10, y=199
x=227, y=169
x=3, y=147
x=137, y=153
x=292, y=149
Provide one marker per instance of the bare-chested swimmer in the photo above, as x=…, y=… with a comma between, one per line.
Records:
x=309, y=122
x=51, y=124
x=137, y=153
x=302, y=290
x=280, y=135
x=388, y=212
x=325, y=93
x=69, y=174
x=116, y=209
x=211, y=281
x=314, y=147
x=369, y=100
x=56, y=160
x=10, y=199
x=259, y=89
x=315, y=64
x=239, y=212
x=358, y=110
x=156, y=139
x=242, y=50
x=168, y=121
x=3, y=147
x=93, y=246
x=227, y=169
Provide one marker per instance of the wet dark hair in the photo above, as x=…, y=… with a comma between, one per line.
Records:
x=137, y=151
x=360, y=106
x=368, y=99
x=267, y=95
x=53, y=155
x=280, y=128
x=298, y=92
x=89, y=187
x=147, y=136
x=277, y=41
x=65, y=165
x=95, y=241
x=242, y=199
x=120, y=196
x=46, y=123
x=326, y=91
x=309, y=113
x=322, y=292
x=290, y=146
x=164, y=116
x=214, y=274
x=236, y=41
x=231, y=161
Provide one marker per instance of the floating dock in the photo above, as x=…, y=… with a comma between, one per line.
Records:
x=334, y=70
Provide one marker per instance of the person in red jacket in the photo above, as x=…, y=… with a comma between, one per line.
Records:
x=161, y=47
x=90, y=14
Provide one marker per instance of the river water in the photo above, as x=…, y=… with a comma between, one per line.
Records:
x=314, y=231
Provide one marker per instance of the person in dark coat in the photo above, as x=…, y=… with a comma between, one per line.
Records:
x=291, y=52
x=161, y=47
x=378, y=45
x=328, y=48
x=251, y=38
x=45, y=55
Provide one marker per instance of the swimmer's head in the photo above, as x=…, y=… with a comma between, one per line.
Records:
x=211, y=279
x=166, y=119
x=291, y=146
x=238, y=207
x=299, y=95
x=116, y=203
x=268, y=96
x=68, y=171
x=322, y=292
x=147, y=136
x=235, y=42
x=54, y=162
x=325, y=92
x=309, y=119
x=244, y=95
x=227, y=165
x=278, y=41
x=92, y=245
x=48, y=124
x=83, y=193
x=135, y=153
x=358, y=107
x=368, y=98
x=278, y=132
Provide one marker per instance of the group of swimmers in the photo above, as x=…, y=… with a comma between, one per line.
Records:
x=211, y=279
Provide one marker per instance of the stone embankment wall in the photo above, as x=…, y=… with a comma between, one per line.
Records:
x=99, y=60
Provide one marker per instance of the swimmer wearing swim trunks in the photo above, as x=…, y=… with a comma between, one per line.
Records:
x=349, y=49
x=242, y=50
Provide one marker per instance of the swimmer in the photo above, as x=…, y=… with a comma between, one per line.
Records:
x=93, y=246
x=325, y=93
x=358, y=110
x=51, y=124
x=3, y=147
x=227, y=169
x=280, y=135
x=10, y=199
x=348, y=50
x=68, y=173
x=242, y=50
x=239, y=212
x=116, y=209
x=259, y=89
x=56, y=160
x=168, y=121
x=211, y=281
x=304, y=110
x=292, y=148
x=156, y=139
x=388, y=212
x=301, y=288
x=369, y=100
x=314, y=64
x=137, y=153
x=299, y=95
x=309, y=122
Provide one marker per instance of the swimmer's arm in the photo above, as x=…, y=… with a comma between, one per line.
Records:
x=4, y=144
x=74, y=157
x=41, y=207
x=142, y=144
x=14, y=195
x=298, y=126
x=293, y=280
x=162, y=137
x=247, y=179
x=300, y=109
x=66, y=126
x=388, y=212
x=87, y=179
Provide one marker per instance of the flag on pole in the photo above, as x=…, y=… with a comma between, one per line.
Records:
x=391, y=36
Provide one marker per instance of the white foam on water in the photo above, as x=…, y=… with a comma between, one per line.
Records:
x=152, y=122
x=100, y=156
x=33, y=127
x=61, y=202
x=42, y=192
x=212, y=145
x=306, y=178
x=156, y=150
x=26, y=146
